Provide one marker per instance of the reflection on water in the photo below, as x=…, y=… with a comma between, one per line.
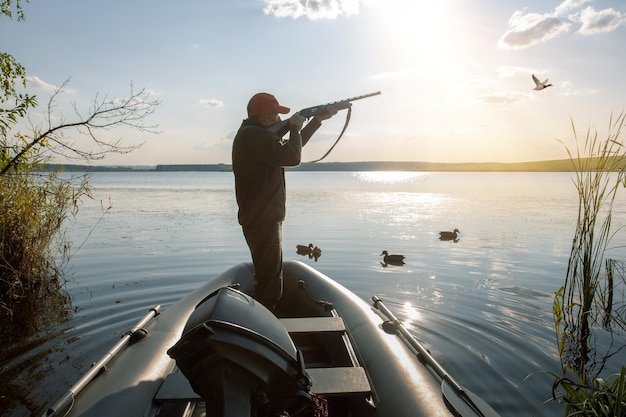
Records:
x=481, y=305
x=310, y=250
x=38, y=310
x=31, y=341
x=389, y=177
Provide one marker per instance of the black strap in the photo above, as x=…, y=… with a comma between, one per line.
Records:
x=345, y=126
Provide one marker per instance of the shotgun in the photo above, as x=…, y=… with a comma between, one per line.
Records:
x=281, y=128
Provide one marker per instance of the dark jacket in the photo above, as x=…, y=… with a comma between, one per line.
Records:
x=258, y=160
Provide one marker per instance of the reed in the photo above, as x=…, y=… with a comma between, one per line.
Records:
x=586, y=321
x=601, y=398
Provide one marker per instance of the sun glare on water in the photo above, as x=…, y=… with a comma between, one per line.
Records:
x=412, y=314
x=390, y=177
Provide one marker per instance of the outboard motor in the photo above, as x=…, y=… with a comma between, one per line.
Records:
x=240, y=359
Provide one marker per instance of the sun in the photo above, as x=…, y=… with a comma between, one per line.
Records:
x=411, y=19
x=414, y=33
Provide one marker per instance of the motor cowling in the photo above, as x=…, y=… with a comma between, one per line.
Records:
x=239, y=357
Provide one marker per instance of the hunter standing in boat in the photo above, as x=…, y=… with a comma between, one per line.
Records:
x=258, y=158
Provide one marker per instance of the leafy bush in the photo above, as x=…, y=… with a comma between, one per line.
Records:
x=33, y=248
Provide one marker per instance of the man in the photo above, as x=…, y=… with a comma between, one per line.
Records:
x=259, y=157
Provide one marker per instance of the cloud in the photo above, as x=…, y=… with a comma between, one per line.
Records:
x=594, y=21
x=312, y=9
x=39, y=84
x=211, y=103
x=528, y=29
x=569, y=5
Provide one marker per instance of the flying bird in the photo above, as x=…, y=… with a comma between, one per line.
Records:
x=540, y=85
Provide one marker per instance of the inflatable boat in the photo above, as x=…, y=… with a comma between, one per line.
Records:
x=218, y=352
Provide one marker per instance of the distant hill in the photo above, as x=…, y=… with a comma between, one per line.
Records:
x=559, y=165
x=547, y=166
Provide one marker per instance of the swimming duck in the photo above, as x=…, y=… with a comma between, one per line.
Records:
x=304, y=250
x=315, y=253
x=392, y=259
x=449, y=235
x=540, y=85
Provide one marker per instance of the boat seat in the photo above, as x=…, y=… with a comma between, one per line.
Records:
x=326, y=381
x=314, y=324
x=176, y=388
x=344, y=378
x=339, y=381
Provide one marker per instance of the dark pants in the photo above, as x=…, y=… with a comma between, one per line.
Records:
x=265, y=243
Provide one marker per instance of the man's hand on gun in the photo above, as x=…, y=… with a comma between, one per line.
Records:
x=297, y=120
x=330, y=112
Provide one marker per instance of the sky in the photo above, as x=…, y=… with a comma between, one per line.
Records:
x=454, y=75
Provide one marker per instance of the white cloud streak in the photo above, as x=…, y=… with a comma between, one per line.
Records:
x=211, y=103
x=569, y=5
x=312, y=9
x=599, y=21
x=528, y=29
x=39, y=84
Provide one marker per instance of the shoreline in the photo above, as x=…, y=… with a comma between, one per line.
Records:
x=561, y=165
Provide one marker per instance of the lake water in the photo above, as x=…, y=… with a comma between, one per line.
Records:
x=482, y=305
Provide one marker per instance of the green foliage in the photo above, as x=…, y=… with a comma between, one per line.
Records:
x=33, y=248
x=8, y=7
x=11, y=73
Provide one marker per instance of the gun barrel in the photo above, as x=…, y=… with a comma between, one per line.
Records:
x=339, y=104
x=348, y=100
x=362, y=96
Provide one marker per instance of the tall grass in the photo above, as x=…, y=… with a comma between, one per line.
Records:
x=585, y=320
x=34, y=249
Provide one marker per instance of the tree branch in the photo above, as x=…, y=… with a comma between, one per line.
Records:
x=104, y=114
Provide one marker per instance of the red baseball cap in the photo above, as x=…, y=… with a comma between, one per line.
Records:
x=264, y=103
